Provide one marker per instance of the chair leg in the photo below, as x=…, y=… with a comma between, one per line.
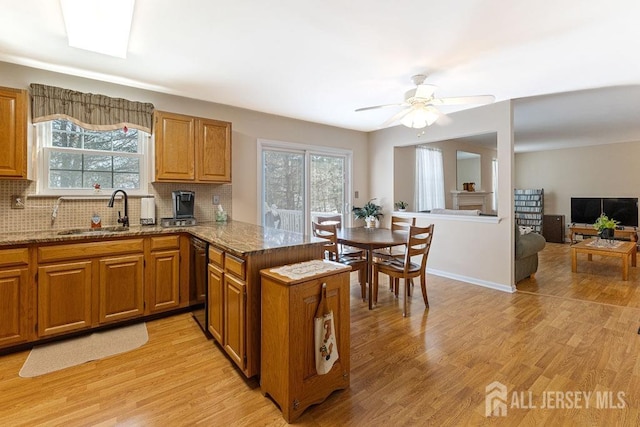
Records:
x=405, y=297
x=363, y=284
x=423, y=285
x=373, y=286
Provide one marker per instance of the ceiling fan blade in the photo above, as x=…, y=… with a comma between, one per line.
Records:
x=380, y=106
x=459, y=100
x=396, y=117
x=425, y=91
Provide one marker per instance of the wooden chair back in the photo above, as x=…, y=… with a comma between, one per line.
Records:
x=418, y=244
x=331, y=219
x=329, y=232
x=399, y=223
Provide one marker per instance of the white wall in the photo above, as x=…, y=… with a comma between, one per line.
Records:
x=609, y=170
x=247, y=127
x=479, y=252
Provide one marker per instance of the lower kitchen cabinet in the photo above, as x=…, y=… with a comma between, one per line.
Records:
x=84, y=285
x=234, y=298
x=164, y=281
x=215, y=301
x=235, y=313
x=14, y=296
x=64, y=297
x=121, y=287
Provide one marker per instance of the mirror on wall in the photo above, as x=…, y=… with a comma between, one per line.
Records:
x=468, y=170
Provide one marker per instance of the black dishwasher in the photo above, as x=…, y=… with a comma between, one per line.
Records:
x=198, y=282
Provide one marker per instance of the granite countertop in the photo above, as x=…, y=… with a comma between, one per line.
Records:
x=239, y=237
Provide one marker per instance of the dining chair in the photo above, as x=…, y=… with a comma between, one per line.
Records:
x=337, y=220
x=398, y=223
x=418, y=245
x=332, y=253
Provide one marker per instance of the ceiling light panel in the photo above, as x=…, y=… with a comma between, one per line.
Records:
x=101, y=26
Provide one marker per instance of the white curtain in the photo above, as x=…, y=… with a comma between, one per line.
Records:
x=429, y=178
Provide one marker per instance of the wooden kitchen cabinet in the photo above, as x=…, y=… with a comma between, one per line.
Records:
x=83, y=285
x=14, y=296
x=215, y=294
x=213, y=151
x=191, y=149
x=288, y=372
x=163, y=280
x=121, y=287
x=234, y=299
x=235, y=312
x=64, y=297
x=13, y=133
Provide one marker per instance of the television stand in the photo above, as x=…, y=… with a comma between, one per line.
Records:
x=588, y=230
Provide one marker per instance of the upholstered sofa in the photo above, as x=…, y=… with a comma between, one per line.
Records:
x=526, y=253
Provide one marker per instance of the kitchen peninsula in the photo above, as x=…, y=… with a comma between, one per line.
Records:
x=69, y=281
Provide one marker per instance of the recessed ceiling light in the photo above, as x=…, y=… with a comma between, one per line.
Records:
x=101, y=26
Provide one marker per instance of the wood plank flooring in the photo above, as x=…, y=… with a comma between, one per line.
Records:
x=562, y=332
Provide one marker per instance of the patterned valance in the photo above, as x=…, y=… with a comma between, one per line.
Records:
x=91, y=111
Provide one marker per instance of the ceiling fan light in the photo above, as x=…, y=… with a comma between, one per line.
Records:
x=420, y=117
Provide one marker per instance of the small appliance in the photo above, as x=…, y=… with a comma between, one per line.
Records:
x=182, y=203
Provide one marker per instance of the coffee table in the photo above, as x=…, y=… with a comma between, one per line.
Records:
x=621, y=249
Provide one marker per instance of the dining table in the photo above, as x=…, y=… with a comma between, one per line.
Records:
x=370, y=239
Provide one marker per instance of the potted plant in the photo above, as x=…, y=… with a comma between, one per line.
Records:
x=606, y=226
x=401, y=206
x=370, y=212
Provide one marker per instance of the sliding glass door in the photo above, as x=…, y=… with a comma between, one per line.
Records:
x=300, y=183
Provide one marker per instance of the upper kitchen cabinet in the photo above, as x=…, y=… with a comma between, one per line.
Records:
x=191, y=149
x=13, y=133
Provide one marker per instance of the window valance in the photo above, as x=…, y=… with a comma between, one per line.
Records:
x=91, y=111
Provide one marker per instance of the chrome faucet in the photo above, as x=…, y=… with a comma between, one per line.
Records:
x=124, y=219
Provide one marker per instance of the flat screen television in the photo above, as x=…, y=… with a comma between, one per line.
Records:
x=624, y=210
x=585, y=210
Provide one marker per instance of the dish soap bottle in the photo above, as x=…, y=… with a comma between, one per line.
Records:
x=96, y=222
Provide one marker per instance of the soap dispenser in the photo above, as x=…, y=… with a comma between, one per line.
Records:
x=96, y=222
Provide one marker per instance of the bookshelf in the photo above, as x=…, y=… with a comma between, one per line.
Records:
x=529, y=208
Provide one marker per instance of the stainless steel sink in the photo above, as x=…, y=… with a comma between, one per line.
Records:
x=92, y=231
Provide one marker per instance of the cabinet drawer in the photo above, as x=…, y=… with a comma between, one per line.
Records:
x=165, y=242
x=9, y=257
x=216, y=256
x=87, y=250
x=235, y=265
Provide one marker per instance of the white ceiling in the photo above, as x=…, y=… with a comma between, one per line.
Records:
x=319, y=61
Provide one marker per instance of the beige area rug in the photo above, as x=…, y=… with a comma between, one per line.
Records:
x=75, y=351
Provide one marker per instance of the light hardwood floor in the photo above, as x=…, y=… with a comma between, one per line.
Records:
x=563, y=332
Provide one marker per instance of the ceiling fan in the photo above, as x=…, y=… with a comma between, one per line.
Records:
x=420, y=104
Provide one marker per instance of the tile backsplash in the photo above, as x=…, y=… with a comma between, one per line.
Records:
x=77, y=213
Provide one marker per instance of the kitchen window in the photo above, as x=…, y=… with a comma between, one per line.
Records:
x=78, y=161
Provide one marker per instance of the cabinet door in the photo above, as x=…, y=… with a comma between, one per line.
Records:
x=215, y=303
x=174, y=147
x=163, y=291
x=213, y=148
x=64, y=297
x=121, y=288
x=234, y=319
x=13, y=306
x=13, y=133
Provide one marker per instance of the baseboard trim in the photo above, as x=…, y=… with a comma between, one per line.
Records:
x=473, y=281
